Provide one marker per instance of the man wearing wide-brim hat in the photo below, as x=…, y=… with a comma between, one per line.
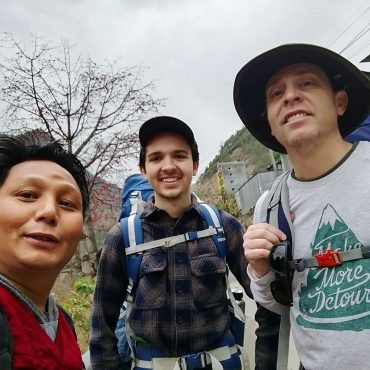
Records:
x=302, y=100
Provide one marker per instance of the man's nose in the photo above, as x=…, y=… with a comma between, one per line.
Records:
x=291, y=95
x=168, y=164
x=47, y=211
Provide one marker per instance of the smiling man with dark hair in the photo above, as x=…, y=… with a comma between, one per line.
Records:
x=180, y=310
x=43, y=199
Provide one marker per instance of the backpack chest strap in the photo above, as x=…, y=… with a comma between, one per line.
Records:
x=173, y=240
x=330, y=258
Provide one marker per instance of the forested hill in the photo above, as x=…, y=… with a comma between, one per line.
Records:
x=241, y=146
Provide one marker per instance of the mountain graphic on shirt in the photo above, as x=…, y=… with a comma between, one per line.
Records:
x=336, y=298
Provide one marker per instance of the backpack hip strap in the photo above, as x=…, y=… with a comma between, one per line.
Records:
x=148, y=357
x=197, y=361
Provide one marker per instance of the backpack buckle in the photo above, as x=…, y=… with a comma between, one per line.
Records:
x=330, y=258
x=194, y=361
x=191, y=235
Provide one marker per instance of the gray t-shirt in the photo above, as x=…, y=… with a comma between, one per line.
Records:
x=330, y=317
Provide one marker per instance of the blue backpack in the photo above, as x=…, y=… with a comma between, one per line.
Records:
x=136, y=191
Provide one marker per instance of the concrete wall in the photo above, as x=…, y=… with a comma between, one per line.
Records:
x=233, y=174
x=253, y=188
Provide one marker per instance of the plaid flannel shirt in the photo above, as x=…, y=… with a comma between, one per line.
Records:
x=180, y=302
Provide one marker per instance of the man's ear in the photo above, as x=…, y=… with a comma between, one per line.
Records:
x=195, y=167
x=143, y=172
x=341, y=99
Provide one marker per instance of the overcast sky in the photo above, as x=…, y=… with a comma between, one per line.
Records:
x=193, y=48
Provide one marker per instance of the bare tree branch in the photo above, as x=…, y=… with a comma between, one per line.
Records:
x=95, y=109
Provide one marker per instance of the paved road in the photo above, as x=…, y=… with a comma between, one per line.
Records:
x=250, y=337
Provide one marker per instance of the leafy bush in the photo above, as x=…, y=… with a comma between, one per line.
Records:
x=227, y=202
x=78, y=304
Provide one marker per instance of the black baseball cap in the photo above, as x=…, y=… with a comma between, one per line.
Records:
x=160, y=124
x=251, y=80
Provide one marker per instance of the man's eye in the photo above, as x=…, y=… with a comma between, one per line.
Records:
x=307, y=83
x=276, y=93
x=27, y=195
x=67, y=203
x=181, y=156
x=154, y=159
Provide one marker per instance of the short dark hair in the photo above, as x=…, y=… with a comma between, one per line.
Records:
x=35, y=146
x=193, y=148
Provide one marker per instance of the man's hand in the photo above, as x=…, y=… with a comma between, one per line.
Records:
x=258, y=241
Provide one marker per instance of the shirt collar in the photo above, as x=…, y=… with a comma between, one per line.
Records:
x=150, y=208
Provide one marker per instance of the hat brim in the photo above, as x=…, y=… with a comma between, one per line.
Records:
x=250, y=83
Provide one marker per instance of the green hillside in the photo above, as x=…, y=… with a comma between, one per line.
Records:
x=241, y=146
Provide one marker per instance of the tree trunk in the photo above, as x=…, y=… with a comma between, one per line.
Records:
x=88, y=248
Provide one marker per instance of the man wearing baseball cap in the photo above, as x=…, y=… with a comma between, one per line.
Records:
x=180, y=310
x=302, y=100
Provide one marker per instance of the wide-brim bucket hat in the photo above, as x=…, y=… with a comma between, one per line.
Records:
x=250, y=83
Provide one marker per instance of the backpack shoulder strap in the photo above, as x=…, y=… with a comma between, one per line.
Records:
x=213, y=218
x=133, y=235
x=275, y=206
x=275, y=210
x=6, y=344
